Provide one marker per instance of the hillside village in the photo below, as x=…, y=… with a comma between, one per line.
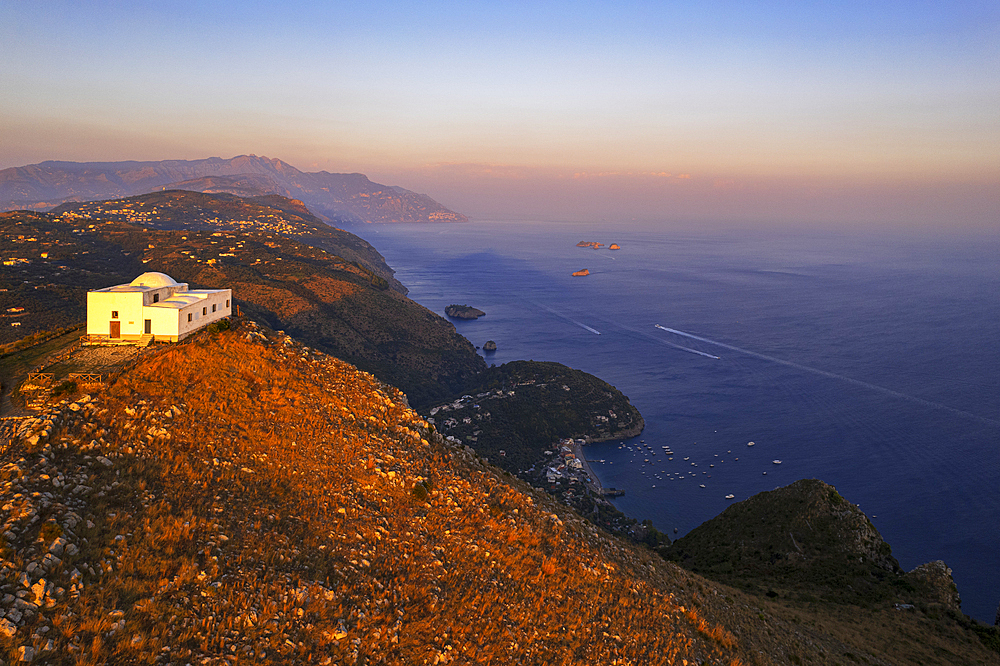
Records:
x=146, y=212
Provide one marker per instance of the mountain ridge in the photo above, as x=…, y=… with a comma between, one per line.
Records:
x=338, y=198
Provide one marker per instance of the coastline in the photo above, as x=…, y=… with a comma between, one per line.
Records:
x=593, y=481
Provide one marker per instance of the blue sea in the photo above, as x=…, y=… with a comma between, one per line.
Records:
x=868, y=361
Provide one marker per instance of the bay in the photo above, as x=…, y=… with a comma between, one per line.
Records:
x=868, y=361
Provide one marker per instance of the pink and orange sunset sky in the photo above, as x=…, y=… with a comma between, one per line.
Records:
x=754, y=112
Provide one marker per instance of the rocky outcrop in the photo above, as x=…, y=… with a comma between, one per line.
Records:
x=581, y=273
x=935, y=584
x=490, y=346
x=463, y=312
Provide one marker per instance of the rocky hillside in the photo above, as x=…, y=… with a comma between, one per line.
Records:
x=241, y=498
x=339, y=198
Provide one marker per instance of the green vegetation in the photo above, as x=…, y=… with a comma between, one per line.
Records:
x=523, y=408
x=803, y=538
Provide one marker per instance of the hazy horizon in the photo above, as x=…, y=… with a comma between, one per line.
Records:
x=754, y=113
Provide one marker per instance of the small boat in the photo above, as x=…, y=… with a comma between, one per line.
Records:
x=776, y=462
x=701, y=485
x=749, y=443
x=730, y=496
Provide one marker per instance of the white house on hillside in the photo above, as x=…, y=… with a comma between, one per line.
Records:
x=155, y=305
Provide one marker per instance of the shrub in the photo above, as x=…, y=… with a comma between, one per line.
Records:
x=65, y=387
x=216, y=326
x=50, y=532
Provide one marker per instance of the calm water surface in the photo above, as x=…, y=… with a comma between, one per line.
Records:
x=868, y=362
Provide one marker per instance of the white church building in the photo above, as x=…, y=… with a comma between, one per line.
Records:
x=153, y=307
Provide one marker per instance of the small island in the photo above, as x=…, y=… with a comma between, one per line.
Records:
x=490, y=346
x=581, y=273
x=463, y=312
x=614, y=246
x=592, y=244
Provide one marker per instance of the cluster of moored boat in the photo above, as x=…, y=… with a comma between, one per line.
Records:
x=642, y=446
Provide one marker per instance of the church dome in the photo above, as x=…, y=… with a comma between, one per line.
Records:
x=153, y=280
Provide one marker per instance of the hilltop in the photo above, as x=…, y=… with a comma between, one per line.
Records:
x=339, y=198
x=242, y=499
x=339, y=306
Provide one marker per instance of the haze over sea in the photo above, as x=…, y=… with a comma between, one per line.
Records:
x=866, y=361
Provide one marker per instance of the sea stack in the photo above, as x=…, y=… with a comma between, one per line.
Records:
x=614, y=246
x=463, y=312
x=490, y=346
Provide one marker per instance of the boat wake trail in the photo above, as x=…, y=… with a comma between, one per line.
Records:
x=833, y=375
x=569, y=319
x=687, y=349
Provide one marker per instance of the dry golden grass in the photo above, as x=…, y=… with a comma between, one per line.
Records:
x=329, y=290
x=266, y=504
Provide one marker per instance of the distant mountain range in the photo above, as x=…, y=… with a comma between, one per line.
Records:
x=337, y=198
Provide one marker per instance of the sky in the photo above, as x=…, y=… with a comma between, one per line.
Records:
x=762, y=112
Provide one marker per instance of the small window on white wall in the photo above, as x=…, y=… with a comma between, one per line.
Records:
x=227, y=302
x=213, y=307
x=204, y=310
x=190, y=316
x=114, y=314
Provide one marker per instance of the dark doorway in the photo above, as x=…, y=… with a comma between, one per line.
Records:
x=116, y=329
x=149, y=326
